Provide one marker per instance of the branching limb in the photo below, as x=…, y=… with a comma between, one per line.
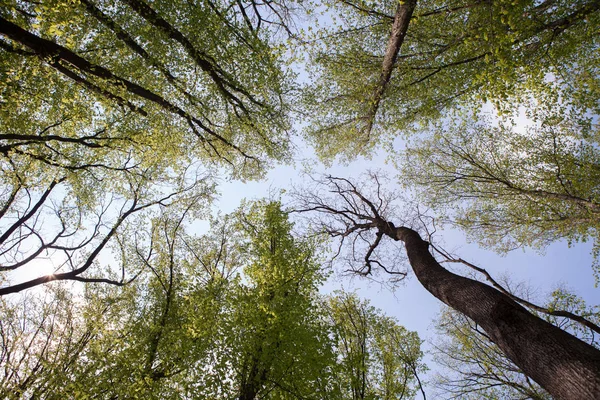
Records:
x=357, y=223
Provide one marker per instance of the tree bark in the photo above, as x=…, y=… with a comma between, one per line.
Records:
x=402, y=18
x=565, y=366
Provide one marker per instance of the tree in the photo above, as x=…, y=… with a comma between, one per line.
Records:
x=565, y=366
x=234, y=313
x=507, y=188
x=378, y=358
x=372, y=79
x=147, y=61
x=41, y=336
x=152, y=336
x=278, y=346
x=476, y=368
x=200, y=329
x=112, y=111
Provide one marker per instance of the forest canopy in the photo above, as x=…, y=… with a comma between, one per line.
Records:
x=121, y=118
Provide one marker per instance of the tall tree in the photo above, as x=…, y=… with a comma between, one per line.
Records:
x=279, y=345
x=565, y=366
x=372, y=79
x=378, y=358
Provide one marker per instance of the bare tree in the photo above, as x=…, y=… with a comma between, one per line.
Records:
x=565, y=366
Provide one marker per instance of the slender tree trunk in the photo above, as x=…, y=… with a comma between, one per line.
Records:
x=250, y=388
x=402, y=18
x=565, y=366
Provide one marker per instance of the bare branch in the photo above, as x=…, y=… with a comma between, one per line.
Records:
x=346, y=214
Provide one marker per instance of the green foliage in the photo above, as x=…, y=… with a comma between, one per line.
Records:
x=117, y=115
x=563, y=299
x=378, y=358
x=508, y=188
x=276, y=342
x=234, y=313
x=225, y=76
x=455, y=54
x=32, y=360
x=111, y=111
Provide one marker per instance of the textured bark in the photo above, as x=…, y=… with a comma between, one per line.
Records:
x=565, y=366
x=402, y=18
x=558, y=313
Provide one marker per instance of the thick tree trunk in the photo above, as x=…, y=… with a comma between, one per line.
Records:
x=565, y=366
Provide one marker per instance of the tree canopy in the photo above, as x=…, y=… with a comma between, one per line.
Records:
x=367, y=89
x=113, y=110
x=205, y=322
x=217, y=92
x=379, y=358
x=508, y=188
x=120, y=117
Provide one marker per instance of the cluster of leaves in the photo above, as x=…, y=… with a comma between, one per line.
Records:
x=508, y=187
x=456, y=53
x=217, y=92
x=113, y=110
x=232, y=314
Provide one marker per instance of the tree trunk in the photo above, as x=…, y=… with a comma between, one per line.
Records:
x=402, y=18
x=565, y=366
x=256, y=378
